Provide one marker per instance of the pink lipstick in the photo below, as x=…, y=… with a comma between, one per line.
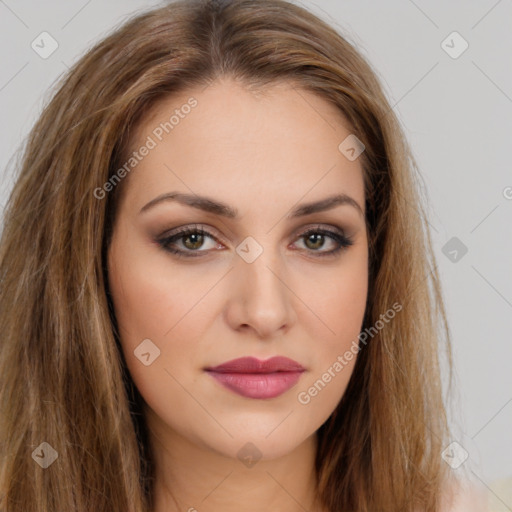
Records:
x=252, y=378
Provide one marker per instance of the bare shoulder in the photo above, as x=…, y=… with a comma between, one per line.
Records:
x=465, y=496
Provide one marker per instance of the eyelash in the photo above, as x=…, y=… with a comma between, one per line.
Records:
x=166, y=243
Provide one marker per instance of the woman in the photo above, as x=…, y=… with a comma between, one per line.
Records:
x=218, y=292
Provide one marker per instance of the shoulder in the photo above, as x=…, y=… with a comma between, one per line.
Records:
x=465, y=496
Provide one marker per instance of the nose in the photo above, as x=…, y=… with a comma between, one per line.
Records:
x=260, y=299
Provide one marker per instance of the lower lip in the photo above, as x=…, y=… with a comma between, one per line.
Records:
x=258, y=385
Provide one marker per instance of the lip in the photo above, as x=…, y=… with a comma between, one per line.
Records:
x=254, y=365
x=253, y=378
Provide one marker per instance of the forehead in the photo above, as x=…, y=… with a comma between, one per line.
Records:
x=273, y=143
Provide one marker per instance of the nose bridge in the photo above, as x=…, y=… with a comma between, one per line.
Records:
x=262, y=296
x=259, y=266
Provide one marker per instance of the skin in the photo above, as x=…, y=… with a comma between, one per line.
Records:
x=262, y=154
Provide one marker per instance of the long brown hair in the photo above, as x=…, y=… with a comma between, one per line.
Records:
x=63, y=376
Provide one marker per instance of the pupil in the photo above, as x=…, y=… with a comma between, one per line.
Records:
x=197, y=242
x=318, y=237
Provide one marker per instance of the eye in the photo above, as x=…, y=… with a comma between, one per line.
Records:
x=189, y=241
x=192, y=238
x=315, y=239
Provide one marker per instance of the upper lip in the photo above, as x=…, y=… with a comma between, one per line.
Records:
x=254, y=365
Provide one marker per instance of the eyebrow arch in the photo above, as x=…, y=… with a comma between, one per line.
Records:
x=211, y=206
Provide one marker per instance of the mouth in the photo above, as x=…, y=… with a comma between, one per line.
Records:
x=253, y=378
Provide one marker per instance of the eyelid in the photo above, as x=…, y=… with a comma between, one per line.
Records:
x=211, y=231
x=334, y=233
x=206, y=228
x=166, y=241
x=319, y=227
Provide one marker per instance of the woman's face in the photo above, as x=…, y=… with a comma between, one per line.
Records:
x=254, y=283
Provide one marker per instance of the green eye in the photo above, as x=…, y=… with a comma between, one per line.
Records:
x=192, y=239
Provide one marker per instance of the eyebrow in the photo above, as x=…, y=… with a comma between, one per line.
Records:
x=218, y=208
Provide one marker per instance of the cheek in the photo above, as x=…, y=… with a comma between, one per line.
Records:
x=151, y=304
x=338, y=304
x=153, y=297
x=159, y=312
x=335, y=302
x=346, y=300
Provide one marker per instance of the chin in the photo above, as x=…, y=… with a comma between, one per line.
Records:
x=254, y=444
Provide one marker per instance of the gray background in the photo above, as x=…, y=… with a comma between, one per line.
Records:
x=457, y=114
